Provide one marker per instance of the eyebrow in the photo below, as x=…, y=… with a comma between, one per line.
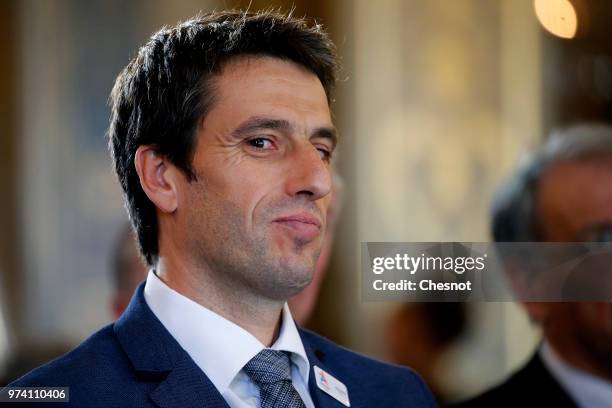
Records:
x=261, y=123
x=327, y=133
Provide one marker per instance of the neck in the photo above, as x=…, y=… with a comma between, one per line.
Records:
x=259, y=316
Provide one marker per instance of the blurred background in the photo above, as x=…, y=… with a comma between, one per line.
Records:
x=438, y=100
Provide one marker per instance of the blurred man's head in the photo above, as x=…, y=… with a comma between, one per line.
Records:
x=564, y=194
x=128, y=269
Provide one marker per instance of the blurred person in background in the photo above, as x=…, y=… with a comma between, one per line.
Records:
x=221, y=136
x=562, y=194
x=128, y=270
x=420, y=335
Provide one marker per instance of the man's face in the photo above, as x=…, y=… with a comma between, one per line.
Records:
x=255, y=217
x=574, y=204
x=575, y=200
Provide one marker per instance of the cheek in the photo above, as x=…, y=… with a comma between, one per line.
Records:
x=256, y=198
x=263, y=196
x=596, y=317
x=241, y=177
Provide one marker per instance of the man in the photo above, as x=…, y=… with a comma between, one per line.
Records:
x=222, y=138
x=562, y=195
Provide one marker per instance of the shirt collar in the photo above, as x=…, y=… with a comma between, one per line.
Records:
x=586, y=389
x=218, y=346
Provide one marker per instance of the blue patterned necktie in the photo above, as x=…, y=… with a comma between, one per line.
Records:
x=271, y=371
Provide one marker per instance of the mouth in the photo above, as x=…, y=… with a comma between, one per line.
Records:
x=303, y=226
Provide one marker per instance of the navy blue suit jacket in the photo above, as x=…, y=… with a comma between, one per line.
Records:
x=135, y=362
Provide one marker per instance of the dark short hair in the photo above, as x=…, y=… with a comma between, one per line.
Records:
x=161, y=95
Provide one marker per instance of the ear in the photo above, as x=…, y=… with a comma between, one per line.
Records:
x=158, y=178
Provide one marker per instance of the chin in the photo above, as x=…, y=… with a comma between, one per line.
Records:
x=301, y=277
x=291, y=279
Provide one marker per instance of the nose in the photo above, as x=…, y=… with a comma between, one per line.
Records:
x=308, y=174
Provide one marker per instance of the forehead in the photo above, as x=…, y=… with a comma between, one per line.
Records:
x=577, y=192
x=261, y=85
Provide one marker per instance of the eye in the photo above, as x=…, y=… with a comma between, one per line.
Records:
x=325, y=154
x=261, y=143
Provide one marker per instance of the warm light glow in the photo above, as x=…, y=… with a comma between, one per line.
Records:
x=557, y=16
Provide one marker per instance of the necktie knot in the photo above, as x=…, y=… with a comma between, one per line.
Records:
x=270, y=370
x=269, y=366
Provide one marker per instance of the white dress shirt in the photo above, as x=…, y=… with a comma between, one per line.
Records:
x=587, y=390
x=221, y=348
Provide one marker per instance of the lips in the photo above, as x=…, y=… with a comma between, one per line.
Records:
x=304, y=226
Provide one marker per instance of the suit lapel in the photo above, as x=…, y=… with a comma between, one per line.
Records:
x=537, y=376
x=187, y=386
x=155, y=355
x=320, y=398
